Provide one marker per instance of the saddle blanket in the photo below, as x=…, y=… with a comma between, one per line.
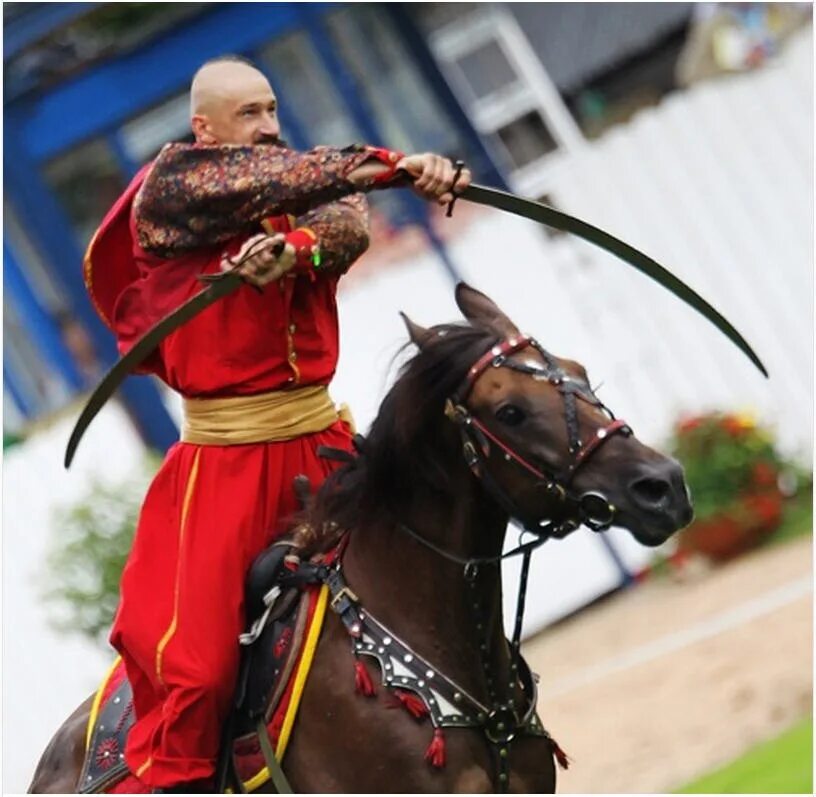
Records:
x=104, y=769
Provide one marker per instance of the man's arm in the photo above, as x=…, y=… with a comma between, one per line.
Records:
x=340, y=230
x=197, y=196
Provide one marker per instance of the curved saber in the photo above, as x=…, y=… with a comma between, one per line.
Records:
x=224, y=284
x=535, y=211
x=218, y=288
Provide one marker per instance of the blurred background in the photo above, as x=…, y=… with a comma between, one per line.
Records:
x=685, y=129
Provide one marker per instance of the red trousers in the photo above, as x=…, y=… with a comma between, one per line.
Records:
x=208, y=513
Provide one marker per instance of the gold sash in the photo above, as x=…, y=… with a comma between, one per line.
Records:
x=263, y=418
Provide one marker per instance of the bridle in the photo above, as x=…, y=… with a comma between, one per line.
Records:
x=506, y=720
x=590, y=508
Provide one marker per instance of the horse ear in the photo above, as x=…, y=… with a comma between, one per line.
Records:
x=419, y=335
x=475, y=306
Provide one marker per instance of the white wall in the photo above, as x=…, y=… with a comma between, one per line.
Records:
x=46, y=675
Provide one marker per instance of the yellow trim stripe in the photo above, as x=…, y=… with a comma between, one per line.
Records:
x=302, y=674
x=303, y=671
x=168, y=635
x=87, y=275
x=98, y=702
x=143, y=768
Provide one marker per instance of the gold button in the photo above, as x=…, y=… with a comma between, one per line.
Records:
x=293, y=356
x=292, y=328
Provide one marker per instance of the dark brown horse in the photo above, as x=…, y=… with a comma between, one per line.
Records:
x=482, y=424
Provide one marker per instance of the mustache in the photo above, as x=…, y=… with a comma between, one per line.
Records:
x=274, y=141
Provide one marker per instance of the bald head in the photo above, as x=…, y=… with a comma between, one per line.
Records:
x=231, y=102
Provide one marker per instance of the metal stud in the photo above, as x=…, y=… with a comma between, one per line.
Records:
x=429, y=673
x=116, y=699
x=507, y=457
x=407, y=658
x=601, y=434
x=457, y=697
x=381, y=650
x=387, y=640
x=388, y=665
x=420, y=684
x=496, y=351
x=404, y=680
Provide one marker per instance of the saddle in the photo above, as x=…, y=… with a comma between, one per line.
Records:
x=285, y=611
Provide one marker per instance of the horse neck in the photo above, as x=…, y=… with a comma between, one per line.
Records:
x=424, y=597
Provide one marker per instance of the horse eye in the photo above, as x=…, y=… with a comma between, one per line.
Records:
x=510, y=415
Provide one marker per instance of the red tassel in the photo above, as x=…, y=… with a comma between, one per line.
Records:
x=435, y=754
x=413, y=704
x=362, y=680
x=560, y=755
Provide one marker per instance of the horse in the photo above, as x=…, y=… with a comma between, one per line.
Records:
x=481, y=427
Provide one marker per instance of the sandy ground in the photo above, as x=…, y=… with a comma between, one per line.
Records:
x=667, y=681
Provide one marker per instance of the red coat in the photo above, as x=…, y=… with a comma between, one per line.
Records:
x=211, y=509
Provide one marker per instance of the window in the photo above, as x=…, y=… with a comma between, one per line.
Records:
x=40, y=387
x=387, y=75
x=506, y=94
x=87, y=180
x=147, y=133
x=296, y=71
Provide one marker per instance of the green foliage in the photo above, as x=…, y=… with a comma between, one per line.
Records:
x=797, y=520
x=725, y=457
x=782, y=766
x=93, y=539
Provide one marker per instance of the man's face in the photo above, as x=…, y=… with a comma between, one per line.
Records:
x=236, y=106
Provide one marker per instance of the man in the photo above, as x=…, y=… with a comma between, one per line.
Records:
x=252, y=369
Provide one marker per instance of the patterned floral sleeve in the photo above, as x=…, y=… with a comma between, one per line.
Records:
x=196, y=195
x=342, y=231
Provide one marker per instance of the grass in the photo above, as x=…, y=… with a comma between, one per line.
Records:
x=782, y=766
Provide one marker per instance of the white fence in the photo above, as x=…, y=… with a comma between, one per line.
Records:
x=716, y=184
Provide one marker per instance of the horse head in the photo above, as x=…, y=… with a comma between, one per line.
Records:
x=542, y=443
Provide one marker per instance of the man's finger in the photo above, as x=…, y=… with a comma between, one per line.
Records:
x=437, y=182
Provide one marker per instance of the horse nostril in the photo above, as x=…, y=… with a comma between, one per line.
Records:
x=651, y=491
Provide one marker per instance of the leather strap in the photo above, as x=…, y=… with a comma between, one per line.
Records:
x=279, y=780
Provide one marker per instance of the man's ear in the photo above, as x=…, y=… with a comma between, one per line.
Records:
x=201, y=130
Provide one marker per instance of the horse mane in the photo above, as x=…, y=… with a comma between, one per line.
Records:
x=404, y=447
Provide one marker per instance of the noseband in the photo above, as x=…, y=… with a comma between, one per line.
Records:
x=590, y=508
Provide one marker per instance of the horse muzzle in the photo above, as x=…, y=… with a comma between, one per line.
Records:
x=657, y=501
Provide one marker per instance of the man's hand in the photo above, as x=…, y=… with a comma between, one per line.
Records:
x=433, y=176
x=261, y=259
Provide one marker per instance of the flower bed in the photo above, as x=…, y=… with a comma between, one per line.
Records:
x=736, y=479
